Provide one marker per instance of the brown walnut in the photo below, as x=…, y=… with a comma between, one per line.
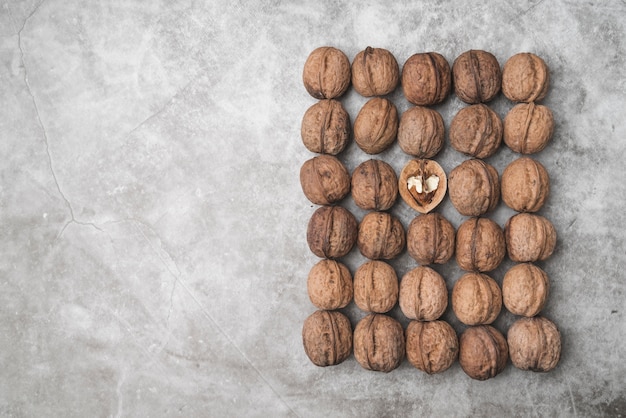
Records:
x=326, y=73
x=324, y=180
x=381, y=236
x=480, y=245
x=477, y=76
x=422, y=184
x=525, y=78
x=332, y=232
x=426, y=79
x=375, y=72
x=483, y=352
x=375, y=287
x=326, y=127
x=476, y=130
x=528, y=128
x=534, y=344
x=431, y=346
x=376, y=125
x=327, y=338
x=430, y=239
x=329, y=285
x=379, y=343
x=529, y=237
x=525, y=289
x=421, y=132
x=374, y=185
x=423, y=294
x=525, y=185
x=476, y=299
x=474, y=187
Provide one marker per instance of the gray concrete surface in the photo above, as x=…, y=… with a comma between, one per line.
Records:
x=153, y=253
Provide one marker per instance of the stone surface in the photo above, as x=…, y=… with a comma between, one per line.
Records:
x=154, y=255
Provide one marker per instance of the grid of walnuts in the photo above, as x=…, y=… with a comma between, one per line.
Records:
x=430, y=344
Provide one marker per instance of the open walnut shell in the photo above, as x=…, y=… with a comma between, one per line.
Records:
x=423, y=184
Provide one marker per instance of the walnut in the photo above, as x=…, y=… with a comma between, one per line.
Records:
x=326, y=73
x=423, y=294
x=375, y=287
x=534, y=344
x=329, y=285
x=376, y=125
x=525, y=185
x=483, y=352
x=327, y=338
x=332, y=232
x=381, y=236
x=324, y=180
x=528, y=128
x=422, y=184
x=476, y=299
x=374, y=185
x=421, y=132
x=525, y=289
x=525, y=78
x=379, y=343
x=480, y=245
x=326, y=127
x=477, y=76
x=431, y=346
x=474, y=187
x=426, y=79
x=476, y=130
x=430, y=239
x=529, y=237
x=375, y=72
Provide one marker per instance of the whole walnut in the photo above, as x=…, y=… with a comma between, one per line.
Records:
x=483, y=352
x=528, y=128
x=476, y=299
x=326, y=73
x=375, y=287
x=423, y=294
x=529, y=237
x=421, y=132
x=525, y=185
x=534, y=344
x=324, y=180
x=477, y=76
x=332, y=232
x=430, y=239
x=474, y=187
x=525, y=78
x=476, y=130
x=375, y=72
x=480, y=245
x=329, y=285
x=326, y=127
x=431, y=346
x=426, y=79
x=381, y=236
x=379, y=343
x=374, y=185
x=525, y=289
x=376, y=125
x=422, y=184
x=327, y=338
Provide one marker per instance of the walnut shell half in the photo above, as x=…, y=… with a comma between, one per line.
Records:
x=477, y=76
x=329, y=285
x=422, y=184
x=534, y=344
x=332, y=232
x=326, y=127
x=381, y=236
x=431, y=346
x=423, y=294
x=476, y=130
x=421, y=132
x=525, y=78
x=327, y=338
x=476, y=299
x=379, y=343
x=474, y=187
x=374, y=185
x=529, y=237
x=430, y=239
x=326, y=73
x=483, y=352
x=528, y=128
x=525, y=289
x=375, y=72
x=375, y=287
x=324, y=180
x=426, y=79
x=525, y=185
x=480, y=245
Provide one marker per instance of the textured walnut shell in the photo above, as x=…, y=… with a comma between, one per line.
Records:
x=326, y=73
x=376, y=125
x=326, y=127
x=375, y=72
x=525, y=78
x=476, y=130
x=430, y=239
x=529, y=237
x=381, y=236
x=483, y=352
x=329, y=285
x=431, y=346
x=374, y=185
x=324, y=180
x=476, y=299
x=423, y=294
x=525, y=185
x=474, y=187
x=480, y=245
x=379, y=343
x=332, y=232
x=375, y=287
x=426, y=201
x=421, y=132
x=528, y=128
x=426, y=79
x=525, y=289
x=534, y=344
x=327, y=338
x=477, y=76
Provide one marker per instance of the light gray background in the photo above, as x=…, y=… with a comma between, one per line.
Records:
x=153, y=253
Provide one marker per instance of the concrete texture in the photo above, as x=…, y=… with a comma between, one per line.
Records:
x=153, y=254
